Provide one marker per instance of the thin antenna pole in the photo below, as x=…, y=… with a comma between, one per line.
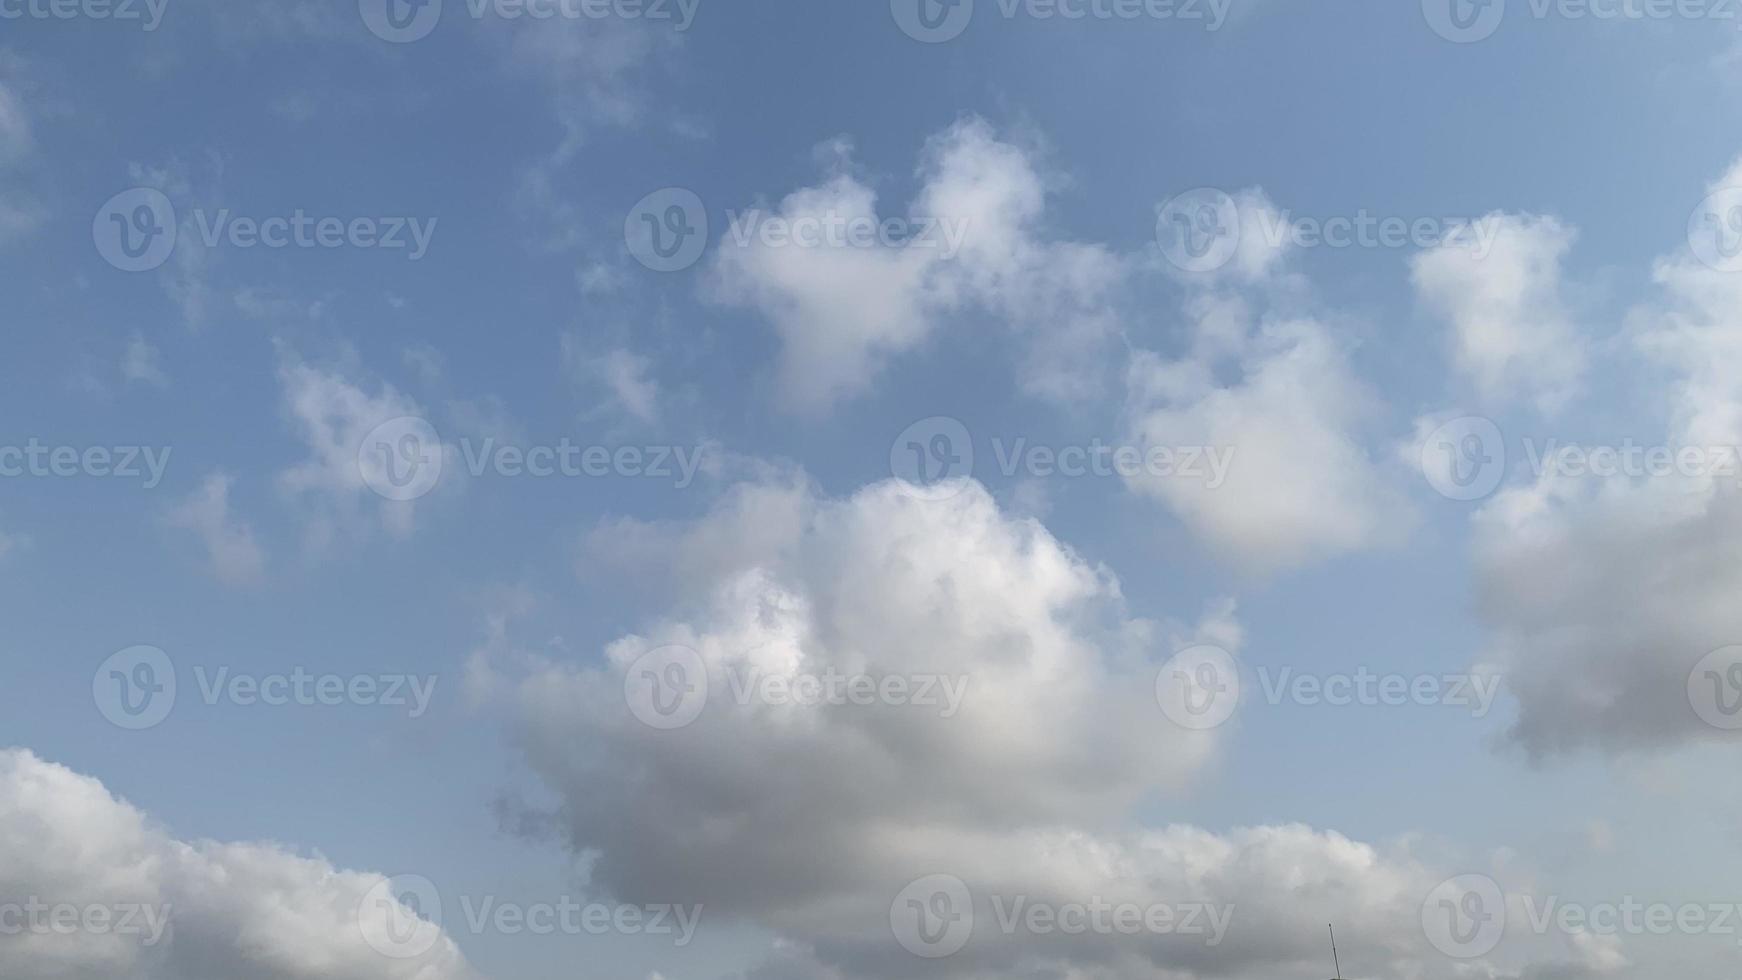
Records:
x=1334, y=959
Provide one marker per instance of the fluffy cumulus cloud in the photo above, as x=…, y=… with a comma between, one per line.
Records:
x=1270, y=387
x=1512, y=334
x=150, y=907
x=971, y=243
x=810, y=819
x=1611, y=596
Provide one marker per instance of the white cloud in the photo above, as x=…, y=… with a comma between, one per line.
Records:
x=808, y=821
x=229, y=542
x=223, y=910
x=1275, y=390
x=1603, y=594
x=843, y=312
x=1512, y=334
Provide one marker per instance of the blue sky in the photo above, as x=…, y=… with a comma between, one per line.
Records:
x=1335, y=380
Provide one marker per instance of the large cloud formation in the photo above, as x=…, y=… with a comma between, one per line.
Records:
x=151, y=907
x=809, y=821
x=1605, y=594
